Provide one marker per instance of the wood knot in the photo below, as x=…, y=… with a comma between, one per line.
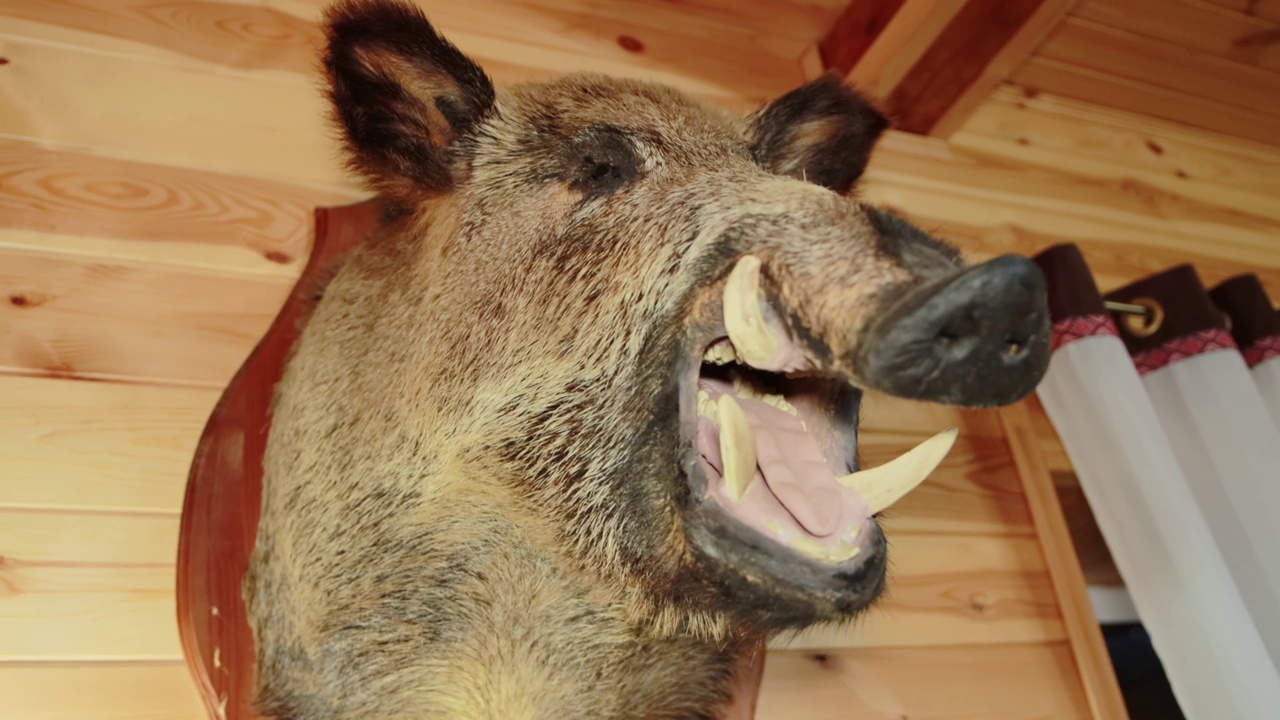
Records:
x=821, y=659
x=4, y=61
x=630, y=44
x=1155, y=147
x=276, y=256
x=23, y=300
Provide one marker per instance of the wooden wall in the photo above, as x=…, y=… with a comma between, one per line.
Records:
x=158, y=166
x=1212, y=64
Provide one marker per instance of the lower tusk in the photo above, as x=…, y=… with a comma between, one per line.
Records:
x=737, y=447
x=885, y=485
x=748, y=331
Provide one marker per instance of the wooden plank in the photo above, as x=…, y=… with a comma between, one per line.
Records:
x=213, y=120
x=989, y=591
x=945, y=588
x=267, y=127
x=901, y=44
x=974, y=491
x=100, y=691
x=914, y=174
x=1087, y=646
x=998, y=682
x=1051, y=448
x=1191, y=24
x=1033, y=680
x=1110, y=90
x=51, y=612
x=1265, y=9
x=96, y=317
x=855, y=31
x=265, y=226
x=952, y=590
x=1090, y=141
x=978, y=48
x=62, y=537
x=69, y=444
x=1093, y=46
x=1116, y=253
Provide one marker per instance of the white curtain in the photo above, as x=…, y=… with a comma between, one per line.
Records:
x=1146, y=505
x=1266, y=375
x=1255, y=326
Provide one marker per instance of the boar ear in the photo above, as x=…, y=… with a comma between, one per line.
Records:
x=401, y=93
x=822, y=132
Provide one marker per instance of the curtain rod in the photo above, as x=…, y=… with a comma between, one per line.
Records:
x=1128, y=308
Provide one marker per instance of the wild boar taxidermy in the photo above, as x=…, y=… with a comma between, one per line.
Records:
x=576, y=431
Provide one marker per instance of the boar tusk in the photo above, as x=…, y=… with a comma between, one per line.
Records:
x=885, y=485
x=737, y=447
x=748, y=331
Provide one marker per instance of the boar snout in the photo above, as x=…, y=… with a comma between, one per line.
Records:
x=977, y=338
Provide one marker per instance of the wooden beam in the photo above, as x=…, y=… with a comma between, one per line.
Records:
x=932, y=62
x=1087, y=646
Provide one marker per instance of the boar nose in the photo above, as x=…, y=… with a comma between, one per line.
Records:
x=979, y=338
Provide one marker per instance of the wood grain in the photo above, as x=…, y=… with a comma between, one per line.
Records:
x=97, y=317
x=896, y=49
x=1090, y=652
x=946, y=589
x=1265, y=9
x=102, y=691
x=1193, y=24
x=999, y=682
x=855, y=31
x=1111, y=90
x=214, y=122
x=717, y=54
x=990, y=182
x=1082, y=139
x=866, y=684
x=68, y=444
x=973, y=39
x=953, y=590
x=1094, y=46
x=68, y=613
x=63, y=537
x=47, y=190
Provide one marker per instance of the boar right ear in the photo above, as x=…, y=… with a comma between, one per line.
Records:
x=822, y=132
x=401, y=93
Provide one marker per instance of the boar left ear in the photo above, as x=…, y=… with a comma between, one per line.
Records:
x=822, y=132
x=402, y=94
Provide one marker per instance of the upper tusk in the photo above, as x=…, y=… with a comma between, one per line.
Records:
x=748, y=331
x=885, y=485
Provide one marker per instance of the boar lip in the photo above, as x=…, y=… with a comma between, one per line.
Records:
x=781, y=576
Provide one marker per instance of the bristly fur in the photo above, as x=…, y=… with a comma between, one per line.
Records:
x=474, y=504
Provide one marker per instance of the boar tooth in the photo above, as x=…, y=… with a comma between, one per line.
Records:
x=737, y=447
x=817, y=551
x=885, y=485
x=706, y=406
x=781, y=403
x=755, y=343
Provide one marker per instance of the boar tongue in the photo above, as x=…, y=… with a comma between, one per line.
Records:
x=790, y=461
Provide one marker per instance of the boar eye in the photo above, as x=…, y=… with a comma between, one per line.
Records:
x=602, y=170
x=605, y=161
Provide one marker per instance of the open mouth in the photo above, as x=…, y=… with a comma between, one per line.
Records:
x=777, y=441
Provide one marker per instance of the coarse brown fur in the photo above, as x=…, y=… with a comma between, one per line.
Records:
x=475, y=503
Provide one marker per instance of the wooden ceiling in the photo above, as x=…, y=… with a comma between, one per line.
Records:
x=1210, y=64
